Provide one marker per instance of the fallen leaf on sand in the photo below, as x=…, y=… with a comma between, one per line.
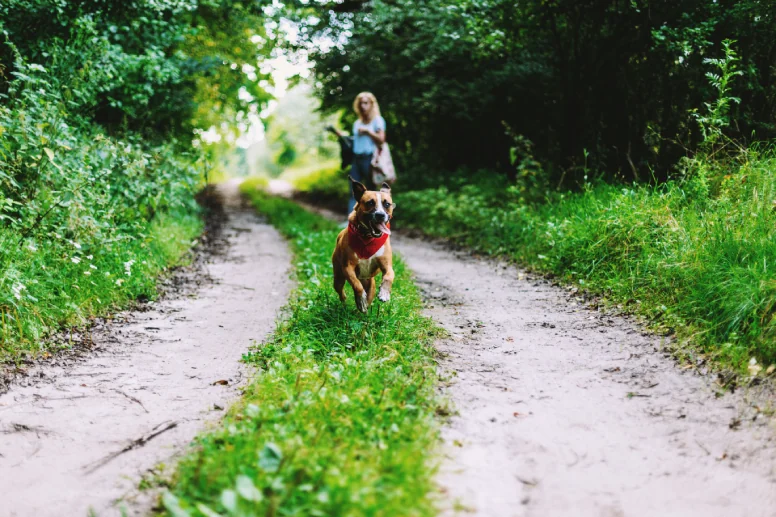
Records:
x=753, y=367
x=222, y=382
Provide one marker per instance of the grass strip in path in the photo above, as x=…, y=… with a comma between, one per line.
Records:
x=339, y=421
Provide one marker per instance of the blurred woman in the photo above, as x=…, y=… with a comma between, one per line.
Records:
x=368, y=134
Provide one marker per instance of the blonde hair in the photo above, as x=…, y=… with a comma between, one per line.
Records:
x=375, y=107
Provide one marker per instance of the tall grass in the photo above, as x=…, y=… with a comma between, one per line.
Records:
x=60, y=282
x=696, y=256
x=339, y=420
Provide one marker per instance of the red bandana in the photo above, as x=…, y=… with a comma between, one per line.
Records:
x=365, y=247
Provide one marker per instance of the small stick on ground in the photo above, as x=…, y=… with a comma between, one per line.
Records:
x=133, y=399
x=134, y=444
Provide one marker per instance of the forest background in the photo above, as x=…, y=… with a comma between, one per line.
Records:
x=623, y=145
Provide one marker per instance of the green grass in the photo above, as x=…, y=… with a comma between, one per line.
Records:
x=53, y=282
x=300, y=174
x=696, y=257
x=326, y=185
x=339, y=421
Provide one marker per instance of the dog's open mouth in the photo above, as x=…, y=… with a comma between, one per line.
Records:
x=381, y=227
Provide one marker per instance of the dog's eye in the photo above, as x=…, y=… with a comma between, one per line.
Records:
x=386, y=204
x=370, y=203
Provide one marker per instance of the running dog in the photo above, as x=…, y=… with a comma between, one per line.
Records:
x=364, y=247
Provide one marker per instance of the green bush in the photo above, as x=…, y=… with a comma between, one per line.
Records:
x=330, y=183
x=79, y=213
x=695, y=256
x=98, y=103
x=327, y=187
x=87, y=219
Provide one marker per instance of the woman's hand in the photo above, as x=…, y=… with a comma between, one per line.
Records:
x=364, y=131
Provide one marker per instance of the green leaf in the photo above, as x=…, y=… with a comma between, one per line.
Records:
x=206, y=511
x=270, y=457
x=247, y=489
x=229, y=500
x=173, y=505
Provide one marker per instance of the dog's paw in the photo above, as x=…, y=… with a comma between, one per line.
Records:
x=384, y=295
x=361, y=302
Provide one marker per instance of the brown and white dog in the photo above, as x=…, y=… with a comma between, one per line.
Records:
x=364, y=247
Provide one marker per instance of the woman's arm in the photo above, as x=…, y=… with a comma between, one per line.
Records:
x=378, y=137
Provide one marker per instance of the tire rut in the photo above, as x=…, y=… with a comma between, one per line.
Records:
x=566, y=411
x=77, y=437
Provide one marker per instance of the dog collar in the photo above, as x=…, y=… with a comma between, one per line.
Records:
x=364, y=246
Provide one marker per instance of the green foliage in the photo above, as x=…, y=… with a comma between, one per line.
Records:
x=152, y=66
x=79, y=213
x=702, y=266
x=48, y=279
x=618, y=79
x=340, y=419
x=329, y=185
x=716, y=117
x=295, y=135
x=98, y=100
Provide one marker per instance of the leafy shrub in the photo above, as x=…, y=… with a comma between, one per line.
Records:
x=79, y=211
x=331, y=182
x=98, y=100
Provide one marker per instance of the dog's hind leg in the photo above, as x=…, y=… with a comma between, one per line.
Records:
x=339, y=284
x=369, y=287
x=358, y=288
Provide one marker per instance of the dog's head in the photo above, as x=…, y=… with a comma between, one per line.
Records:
x=374, y=208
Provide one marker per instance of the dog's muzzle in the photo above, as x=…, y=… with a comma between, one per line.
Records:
x=377, y=223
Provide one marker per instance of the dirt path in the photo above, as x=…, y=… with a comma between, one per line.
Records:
x=80, y=436
x=564, y=411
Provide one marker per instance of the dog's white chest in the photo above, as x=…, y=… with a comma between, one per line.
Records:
x=366, y=267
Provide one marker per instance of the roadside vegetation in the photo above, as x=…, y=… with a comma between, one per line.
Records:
x=99, y=106
x=340, y=419
x=695, y=257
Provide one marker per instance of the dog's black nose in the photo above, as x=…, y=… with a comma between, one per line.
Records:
x=380, y=216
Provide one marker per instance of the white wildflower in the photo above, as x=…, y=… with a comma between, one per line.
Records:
x=76, y=260
x=90, y=257
x=119, y=281
x=92, y=266
x=32, y=247
x=128, y=267
x=87, y=273
x=17, y=290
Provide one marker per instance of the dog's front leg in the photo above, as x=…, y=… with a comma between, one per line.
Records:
x=385, y=287
x=358, y=288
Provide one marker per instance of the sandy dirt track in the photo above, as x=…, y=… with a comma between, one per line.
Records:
x=153, y=381
x=565, y=411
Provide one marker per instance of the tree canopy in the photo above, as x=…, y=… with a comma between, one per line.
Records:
x=604, y=84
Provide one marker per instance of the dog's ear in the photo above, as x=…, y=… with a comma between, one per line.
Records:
x=358, y=188
x=385, y=187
